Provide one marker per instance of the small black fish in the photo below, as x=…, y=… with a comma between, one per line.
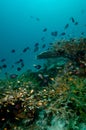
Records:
x=3, y=60
x=36, y=44
x=18, y=69
x=13, y=76
x=76, y=23
x=72, y=19
x=22, y=64
x=31, y=17
x=63, y=33
x=4, y=66
x=43, y=38
x=55, y=33
x=38, y=19
x=45, y=29
x=82, y=33
x=36, y=49
x=25, y=49
x=44, y=45
x=13, y=51
x=37, y=66
x=66, y=26
x=19, y=61
x=51, y=43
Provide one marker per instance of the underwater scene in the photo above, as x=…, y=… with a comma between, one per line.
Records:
x=42, y=64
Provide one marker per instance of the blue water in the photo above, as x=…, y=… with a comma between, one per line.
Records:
x=22, y=23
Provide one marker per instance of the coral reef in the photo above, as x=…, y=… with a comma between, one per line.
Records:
x=74, y=49
x=53, y=98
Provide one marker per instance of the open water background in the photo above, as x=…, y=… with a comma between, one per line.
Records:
x=22, y=23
